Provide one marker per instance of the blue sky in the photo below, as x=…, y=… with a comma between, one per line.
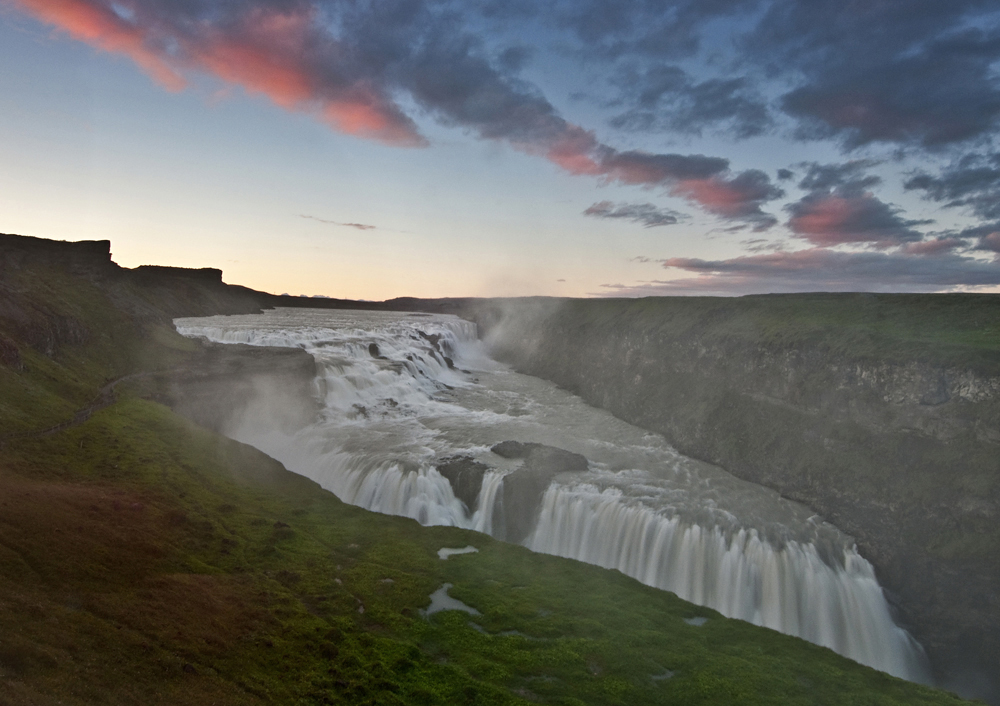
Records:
x=587, y=148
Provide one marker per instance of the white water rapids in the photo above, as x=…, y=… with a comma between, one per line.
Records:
x=391, y=410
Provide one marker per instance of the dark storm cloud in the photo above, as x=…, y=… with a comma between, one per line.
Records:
x=985, y=237
x=849, y=175
x=666, y=99
x=817, y=269
x=916, y=73
x=645, y=213
x=904, y=72
x=653, y=28
x=972, y=182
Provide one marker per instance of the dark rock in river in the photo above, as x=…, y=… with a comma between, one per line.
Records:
x=541, y=457
x=523, y=489
x=466, y=477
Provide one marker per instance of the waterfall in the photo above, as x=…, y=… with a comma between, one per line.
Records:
x=790, y=589
x=401, y=392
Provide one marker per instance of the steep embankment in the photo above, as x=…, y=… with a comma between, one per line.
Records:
x=882, y=412
x=144, y=559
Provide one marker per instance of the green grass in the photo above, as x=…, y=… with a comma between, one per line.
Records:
x=145, y=560
x=952, y=329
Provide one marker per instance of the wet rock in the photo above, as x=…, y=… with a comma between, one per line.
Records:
x=432, y=338
x=542, y=458
x=374, y=352
x=466, y=477
x=523, y=489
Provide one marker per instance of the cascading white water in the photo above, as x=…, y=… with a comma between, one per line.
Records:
x=790, y=589
x=396, y=401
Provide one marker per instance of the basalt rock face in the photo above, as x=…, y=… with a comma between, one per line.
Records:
x=523, y=488
x=148, y=293
x=895, y=442
x=465, y=474
x=85, y=257
x=228, y=382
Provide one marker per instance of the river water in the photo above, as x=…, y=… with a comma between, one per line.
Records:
x=399, y=392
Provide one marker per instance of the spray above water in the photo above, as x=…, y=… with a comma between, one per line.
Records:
x=407, y=400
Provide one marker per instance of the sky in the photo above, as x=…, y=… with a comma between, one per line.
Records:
x=428, y=148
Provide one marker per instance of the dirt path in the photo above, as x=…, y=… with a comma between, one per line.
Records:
x=105, y=398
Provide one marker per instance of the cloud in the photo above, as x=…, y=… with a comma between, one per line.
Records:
x=664, y=98
x=843, y=217
x=817, y=269
x=839, y=209
x=346, y=64
x=991, y=242
x=645, y=213
x=972, y=182
x=359, y=226
x=739, y=198
x=762, y=245
x=850, y=175
x=943, y=94
x=916, y=73
x=985, y=237
x=920, y=75
x=934, y=246
x=98, y=24
x=276, y=49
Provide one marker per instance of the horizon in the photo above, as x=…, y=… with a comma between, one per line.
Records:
x=441, y=149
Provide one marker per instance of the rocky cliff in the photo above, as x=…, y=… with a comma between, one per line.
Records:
x=880, y=412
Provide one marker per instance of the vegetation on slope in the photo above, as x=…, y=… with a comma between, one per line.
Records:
x=146, y=560
x=951, y=330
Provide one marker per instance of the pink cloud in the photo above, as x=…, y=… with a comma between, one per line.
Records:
x=936, y=246
x=101, y=27
x=288, y=54
x=814, y=270
x=829, y=219
x=278, y=54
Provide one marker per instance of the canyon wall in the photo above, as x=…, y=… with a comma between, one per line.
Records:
x=881, y=412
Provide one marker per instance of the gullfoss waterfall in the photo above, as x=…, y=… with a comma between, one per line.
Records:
x=413, y=411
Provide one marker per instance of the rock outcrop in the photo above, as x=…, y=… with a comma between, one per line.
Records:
x=465, y=474
x=228, y=381
x=523, y=488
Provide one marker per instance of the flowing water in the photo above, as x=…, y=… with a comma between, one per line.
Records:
x=399, y=392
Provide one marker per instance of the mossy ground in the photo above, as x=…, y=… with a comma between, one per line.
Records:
x=145, y=560
x=960, y=330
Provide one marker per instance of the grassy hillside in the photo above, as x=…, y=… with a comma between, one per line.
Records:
x=144, y=560
x=961, y=330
